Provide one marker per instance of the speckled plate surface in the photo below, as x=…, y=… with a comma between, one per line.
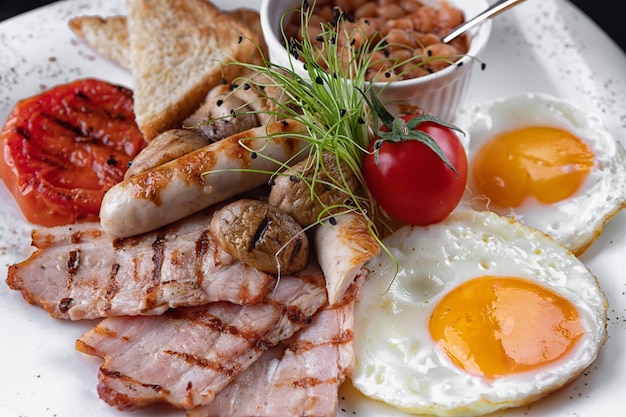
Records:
x=540, y=46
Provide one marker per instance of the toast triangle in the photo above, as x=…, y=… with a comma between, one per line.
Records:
x=107, y=36
x=178, y=48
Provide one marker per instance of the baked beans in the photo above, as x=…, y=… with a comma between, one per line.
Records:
x=403, y=37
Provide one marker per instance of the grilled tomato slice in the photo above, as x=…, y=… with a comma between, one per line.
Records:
x=64, y=148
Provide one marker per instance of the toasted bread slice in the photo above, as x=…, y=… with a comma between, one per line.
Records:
x=107, y=36
x=178, y=50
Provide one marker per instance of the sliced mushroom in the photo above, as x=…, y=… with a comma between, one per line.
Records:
x=291, y=191
x=262, y=236
x=166, y=147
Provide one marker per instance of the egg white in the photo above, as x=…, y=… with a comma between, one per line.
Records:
x=579, y=219
x=397, y=360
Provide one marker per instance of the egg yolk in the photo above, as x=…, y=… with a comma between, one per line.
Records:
x=496, y=326
x=545, y=162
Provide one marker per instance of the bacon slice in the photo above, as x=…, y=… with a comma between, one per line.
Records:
x=186, y=356
x=300, y=376
x=78, y=272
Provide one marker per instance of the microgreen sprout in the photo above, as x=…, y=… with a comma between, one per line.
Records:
x=324, y=88
x=326, y=100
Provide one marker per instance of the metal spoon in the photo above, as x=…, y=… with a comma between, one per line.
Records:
x=491, y=11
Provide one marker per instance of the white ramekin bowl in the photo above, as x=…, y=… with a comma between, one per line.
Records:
x=440, y=93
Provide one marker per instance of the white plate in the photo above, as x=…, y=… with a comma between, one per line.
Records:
x=540, y=46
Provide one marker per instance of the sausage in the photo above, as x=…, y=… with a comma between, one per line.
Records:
x=291, y=190
x=262, y=236
x=199, y=179
x=252, y=101
x=222, y=115
x=263, y=95
x=167, y=146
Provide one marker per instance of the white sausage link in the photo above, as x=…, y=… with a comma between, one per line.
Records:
x=179, y=188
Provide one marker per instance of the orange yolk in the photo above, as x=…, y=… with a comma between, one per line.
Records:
x=496, y=326
x=547, y=163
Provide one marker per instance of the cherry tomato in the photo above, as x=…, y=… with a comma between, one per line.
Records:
x=64, y=148
x=411, y=182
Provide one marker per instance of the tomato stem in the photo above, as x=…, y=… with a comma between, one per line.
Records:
x=399, y=130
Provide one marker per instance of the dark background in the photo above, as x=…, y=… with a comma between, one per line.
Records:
x=608, y=14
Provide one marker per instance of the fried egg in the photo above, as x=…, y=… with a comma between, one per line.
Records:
x=484, y=313
x=545, y=162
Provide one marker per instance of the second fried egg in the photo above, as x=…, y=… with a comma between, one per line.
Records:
x=545, y=162
x=484, y=313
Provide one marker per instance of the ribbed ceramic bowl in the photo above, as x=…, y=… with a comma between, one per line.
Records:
x=440, y=93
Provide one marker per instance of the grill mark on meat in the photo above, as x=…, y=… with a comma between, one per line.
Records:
x=296, y=315
x=157, y=258
x=202, y=248
x=194, y=352
x=124, y=402
x=127, y=379
x=199, y=362
x=73, y=263
x=112, y=288
x=158, y=248
x=79, y=272
x=312, y=382
x=300, y=376
x=76, y=237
